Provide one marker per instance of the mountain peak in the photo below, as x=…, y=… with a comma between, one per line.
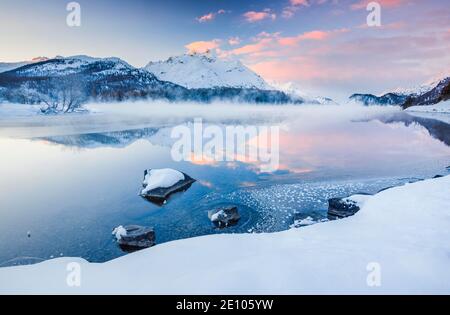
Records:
x=206, y=70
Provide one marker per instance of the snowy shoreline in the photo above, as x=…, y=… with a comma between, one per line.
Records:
x=404, y=230
x=442, y=107
x=440, y=111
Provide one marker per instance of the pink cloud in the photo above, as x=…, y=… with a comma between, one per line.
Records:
x=312, y=35
x=261, y=45
x=299, y=2
x=362, y=4
x=234, y=41
x=206, y=17
x=270, y=44
x=210, y=16
x=341, y=61
x=203, y=46
x=290, y=10
x=346, y=63
x=253, y=16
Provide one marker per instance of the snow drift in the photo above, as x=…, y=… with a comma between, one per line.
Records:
x=404, y=231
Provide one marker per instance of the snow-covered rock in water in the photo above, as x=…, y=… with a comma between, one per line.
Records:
x=159, y=184
x=339, y=208
x=157, y=178
x=132, y=237
x=119, y=232
x=196, y=71
x=224, y=217
x=400, y=234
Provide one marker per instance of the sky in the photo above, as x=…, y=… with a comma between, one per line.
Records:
x=325, y=47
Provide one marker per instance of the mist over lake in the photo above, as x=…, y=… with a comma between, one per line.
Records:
x=69, y=180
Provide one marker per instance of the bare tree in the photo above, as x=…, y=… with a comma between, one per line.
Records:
x=64, y=96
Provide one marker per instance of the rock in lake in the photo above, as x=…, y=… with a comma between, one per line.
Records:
x=134, y=237
x=224, y=217
x=159, y=184
x=339, y=208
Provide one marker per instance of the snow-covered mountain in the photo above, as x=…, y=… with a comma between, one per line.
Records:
x=86, y=79
x=427, y=94
x=295, y=91
x=61, y=66
x=82, y=78
x=419, y=89
x=197, y=71
x=7, y=66
x=440, y=92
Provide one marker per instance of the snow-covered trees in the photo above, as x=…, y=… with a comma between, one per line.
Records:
x=64, y=95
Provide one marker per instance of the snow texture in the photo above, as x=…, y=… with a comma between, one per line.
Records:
x=303, y=222
x=401, y=236
x=73, y=64
x=161, y=178
x=216, y=216
x=439, y=111
x=442, y=107
x=418, y=90
x=118, y=232
x=206, y=71
x=359, y=200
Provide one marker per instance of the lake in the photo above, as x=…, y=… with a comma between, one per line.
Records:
x=66, y=182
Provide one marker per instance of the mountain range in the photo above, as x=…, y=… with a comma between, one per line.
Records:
x=428, y=94
x=62, y=84
x=65, y=83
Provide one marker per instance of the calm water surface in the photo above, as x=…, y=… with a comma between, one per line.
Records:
x=68, y=192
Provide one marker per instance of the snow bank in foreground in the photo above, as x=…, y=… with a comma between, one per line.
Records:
x=403, y=232
x=164, y=178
